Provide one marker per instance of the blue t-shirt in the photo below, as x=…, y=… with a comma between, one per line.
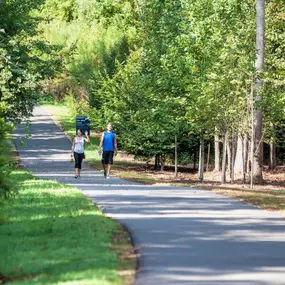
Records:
x=108, y=142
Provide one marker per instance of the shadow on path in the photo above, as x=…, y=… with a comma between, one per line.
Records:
x=183, y=235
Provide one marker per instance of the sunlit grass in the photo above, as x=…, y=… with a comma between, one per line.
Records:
x=51, y=234
x=271, y=200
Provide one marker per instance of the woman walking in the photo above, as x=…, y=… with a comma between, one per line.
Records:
x=78, y=151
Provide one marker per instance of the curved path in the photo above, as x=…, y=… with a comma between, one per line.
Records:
x=184, y=236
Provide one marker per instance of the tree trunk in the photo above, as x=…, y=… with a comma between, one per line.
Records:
x=243, y=160
x=176, y=157
x=156, y=162
x=201, y=159
x=217, y=153
x=194, y=159
x=239, y=161
x=224, y=159
x=272, y=160
x=232, y=159
x=229, y=155
x=252, y=150
x=259, y=63
x=246, y=160
x=162, y=163
x=208, y=157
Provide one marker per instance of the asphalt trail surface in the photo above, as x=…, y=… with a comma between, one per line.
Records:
x=183, y=235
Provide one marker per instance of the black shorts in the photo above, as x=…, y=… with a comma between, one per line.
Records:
x=107, y=157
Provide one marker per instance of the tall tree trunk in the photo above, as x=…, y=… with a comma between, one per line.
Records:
x=194, y=159
x=272, y=159
x=238, y=167
x=162, y=163
x=201, y=159
x=243, y=160
x=224, y=159
x=260, y=47
x=229, y=155
x=176, y=157
x=246, y=160
x=232, y=159
x=208, y=157
x=252, y=149
x=217, y=153
x=156, y=162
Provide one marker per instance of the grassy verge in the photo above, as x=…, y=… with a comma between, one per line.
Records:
x=268, y=198
x=51, y=234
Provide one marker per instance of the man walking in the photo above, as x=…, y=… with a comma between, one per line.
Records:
x=109, y=143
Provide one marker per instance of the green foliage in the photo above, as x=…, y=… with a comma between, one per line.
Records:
x=18, y=87
x=157, y=69
x=92, y=36
x=8, y=187
x=18, y=76
x=274, y=87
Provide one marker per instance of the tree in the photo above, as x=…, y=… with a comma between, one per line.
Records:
x=259, y=64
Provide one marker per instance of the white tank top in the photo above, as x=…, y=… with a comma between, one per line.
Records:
x=79, y=145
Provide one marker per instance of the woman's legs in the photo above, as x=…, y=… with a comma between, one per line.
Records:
x=78, y=157
x=78, y=162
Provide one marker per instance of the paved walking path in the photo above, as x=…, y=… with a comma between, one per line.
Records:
x=184, y=236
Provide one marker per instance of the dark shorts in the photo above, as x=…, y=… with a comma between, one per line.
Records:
x=107, y=157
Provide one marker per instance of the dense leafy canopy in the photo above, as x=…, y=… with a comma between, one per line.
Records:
x=156, y=69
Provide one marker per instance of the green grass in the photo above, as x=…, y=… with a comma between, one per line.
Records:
x=138, y=178
x=271, y=200
x=51, y=234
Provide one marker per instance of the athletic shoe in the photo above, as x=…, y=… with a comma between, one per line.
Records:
x=75, y=176
x=108, y=177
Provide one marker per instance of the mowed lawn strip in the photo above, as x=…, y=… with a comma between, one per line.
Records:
x=51, y=234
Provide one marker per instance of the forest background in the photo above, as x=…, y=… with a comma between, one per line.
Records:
x=172, y=76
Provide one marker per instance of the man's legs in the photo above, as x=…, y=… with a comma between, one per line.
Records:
x=108, y=171
x=104, y=163
x=107, y=160
x=104, y=168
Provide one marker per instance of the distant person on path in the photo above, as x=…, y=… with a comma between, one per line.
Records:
x=78, y=151
x=109, y=143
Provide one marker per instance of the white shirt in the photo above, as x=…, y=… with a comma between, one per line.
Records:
x=79, y=145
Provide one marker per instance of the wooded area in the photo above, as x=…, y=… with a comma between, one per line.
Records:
x=177, y=78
